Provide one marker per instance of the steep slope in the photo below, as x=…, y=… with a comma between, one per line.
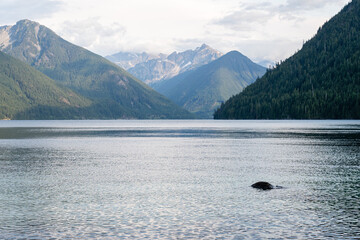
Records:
x=114, y=92
x=202, y=90
x=165, y=67
x=321, y=81
x=26, y=93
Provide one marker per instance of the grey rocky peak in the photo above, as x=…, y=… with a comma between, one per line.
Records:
x=112, y=91
x=191, y=59
x=161, y=67
x=202, y=90
x=25, y=34
x=5, y=39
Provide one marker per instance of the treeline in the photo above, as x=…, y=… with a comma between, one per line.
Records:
x=321, y=81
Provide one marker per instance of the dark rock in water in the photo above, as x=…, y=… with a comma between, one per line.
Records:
x=263, y=185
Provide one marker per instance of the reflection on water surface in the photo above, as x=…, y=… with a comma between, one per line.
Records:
x=179, y=179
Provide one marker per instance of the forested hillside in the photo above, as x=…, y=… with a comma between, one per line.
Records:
x=321, y=81
x=114, y=92
x=202, y=90
x=26, y=93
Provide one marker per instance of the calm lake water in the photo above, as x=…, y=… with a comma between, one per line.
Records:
x=179, y=179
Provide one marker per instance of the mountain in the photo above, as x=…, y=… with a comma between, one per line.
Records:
x=26, y=93
x=165, y=67
x=202, y=90
x=128, y=60
x=114, y=92
x=321, y=81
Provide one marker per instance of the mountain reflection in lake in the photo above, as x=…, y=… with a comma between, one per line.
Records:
x=179, y=179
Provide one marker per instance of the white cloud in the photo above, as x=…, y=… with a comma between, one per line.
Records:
x=13, y=10
x=275, y=30
x=245, y=20
x=250, y=14
x=92, y=34
x=306, y=5
x=260, y=29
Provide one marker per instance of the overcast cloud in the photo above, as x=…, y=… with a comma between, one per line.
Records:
x=271, y=30
x=91, y=34
x=250, y=14
x=13, y=10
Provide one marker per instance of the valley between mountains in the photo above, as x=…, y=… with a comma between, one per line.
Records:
x=93, y=87
x=43, y=76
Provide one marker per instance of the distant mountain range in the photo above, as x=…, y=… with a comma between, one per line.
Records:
x=128, y=60
x=90, y=78
x=203, y=89
x=198, y=80
x=42, y=76
x=152, y=69
x=321, y=81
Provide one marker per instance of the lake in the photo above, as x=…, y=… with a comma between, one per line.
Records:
x=169, y=179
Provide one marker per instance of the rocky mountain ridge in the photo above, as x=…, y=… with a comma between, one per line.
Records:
x=113, y=92
x=154, y=68
x=202, y=90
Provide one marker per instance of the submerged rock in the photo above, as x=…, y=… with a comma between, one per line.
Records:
x=263, y=185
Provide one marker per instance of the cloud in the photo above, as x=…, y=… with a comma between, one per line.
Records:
x=244, y=20
x=268, y=49
x=305, y=5
x=13, y=10
x=92, y=34
x=272, y=30
x=183, y=44
x=253, y=14
x=109, y=26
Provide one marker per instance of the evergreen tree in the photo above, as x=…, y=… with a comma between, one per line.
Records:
x=321, y=81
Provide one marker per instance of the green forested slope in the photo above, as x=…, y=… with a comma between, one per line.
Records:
x=202, y=90
x=114, y=93
x=26, y=93
x=321, y=81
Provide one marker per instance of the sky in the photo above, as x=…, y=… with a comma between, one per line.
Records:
x=260, y=29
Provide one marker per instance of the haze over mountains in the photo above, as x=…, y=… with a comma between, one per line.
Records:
x=128, y=60
x=42, y=76
x=113, y=92
x=202, y=90
x=203, y=80
x=152, y=69
x=198, y=80
x=321, y=81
